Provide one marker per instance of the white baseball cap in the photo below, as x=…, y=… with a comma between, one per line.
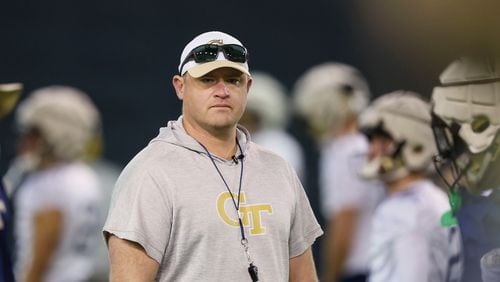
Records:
x=212, y=37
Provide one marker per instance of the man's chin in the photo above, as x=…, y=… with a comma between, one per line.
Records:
x=221, y=124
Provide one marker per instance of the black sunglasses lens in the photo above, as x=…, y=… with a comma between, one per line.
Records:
x=235, y=53
x=205, y=53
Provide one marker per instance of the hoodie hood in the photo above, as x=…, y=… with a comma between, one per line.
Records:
x=175, y=134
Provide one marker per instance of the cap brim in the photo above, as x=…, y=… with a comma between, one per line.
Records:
x=202, y=69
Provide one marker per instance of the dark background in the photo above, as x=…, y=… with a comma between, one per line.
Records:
x=124, y=53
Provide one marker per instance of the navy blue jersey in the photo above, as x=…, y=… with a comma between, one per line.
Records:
x=479, y=220
x=6, y=274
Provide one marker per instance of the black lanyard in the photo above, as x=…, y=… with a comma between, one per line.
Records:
x=252, y=269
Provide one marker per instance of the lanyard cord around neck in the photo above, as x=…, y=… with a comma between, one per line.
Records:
x=236, y=204
x=252, y=269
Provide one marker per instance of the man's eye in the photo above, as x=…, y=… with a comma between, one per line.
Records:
x=234, y=80
x=207, y=79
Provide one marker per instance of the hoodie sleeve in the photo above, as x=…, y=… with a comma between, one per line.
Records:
x=140, y=211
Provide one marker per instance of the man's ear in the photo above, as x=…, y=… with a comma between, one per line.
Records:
x=249, y=83
x=178, y=83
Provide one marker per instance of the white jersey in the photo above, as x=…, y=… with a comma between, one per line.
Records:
x=107, y=173
x=408, y=242
x=74, y=190
x=342, y=187
x=283, y=144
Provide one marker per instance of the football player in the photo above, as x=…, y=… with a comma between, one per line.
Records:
x=466, y=122
x=56, y=205
x=408, y=242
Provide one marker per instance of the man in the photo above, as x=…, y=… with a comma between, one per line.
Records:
x=202, y=202
x=331, y=96
x=408, y=242
x=9, y=94
x=466, y=125
x=56, y=204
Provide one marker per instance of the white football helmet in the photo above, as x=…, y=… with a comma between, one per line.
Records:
x=268, y=99
x=65, y=117
x=328, y=94
x=466, y=120
x=406, y=118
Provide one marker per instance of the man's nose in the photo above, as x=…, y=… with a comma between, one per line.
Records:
x=222, y=89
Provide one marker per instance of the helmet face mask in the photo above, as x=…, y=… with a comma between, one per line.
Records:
x=452, y=158
x=384, y=160
x=455, y=159
x=477, y=172
x=445, y=136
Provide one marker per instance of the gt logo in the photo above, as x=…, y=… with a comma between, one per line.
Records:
x=251, y=214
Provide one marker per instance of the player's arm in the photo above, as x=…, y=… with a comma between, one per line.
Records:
x=129, y=261
x=47, y=230
x=302, y=268
x=339, y=238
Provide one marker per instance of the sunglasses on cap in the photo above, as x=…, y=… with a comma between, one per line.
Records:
x=209, y=52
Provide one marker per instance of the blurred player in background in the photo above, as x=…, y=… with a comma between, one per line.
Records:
x=266, y=117
x=466, y=122
x=57, y=202
x=330, y=96
x=107, y=172
x=9, y=94
x=408, y=242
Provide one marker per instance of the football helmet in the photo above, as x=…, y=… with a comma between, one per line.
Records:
x=327, y=95
x=466, y=121
x=405, y=118
x=267, y=99
x=65, y=117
